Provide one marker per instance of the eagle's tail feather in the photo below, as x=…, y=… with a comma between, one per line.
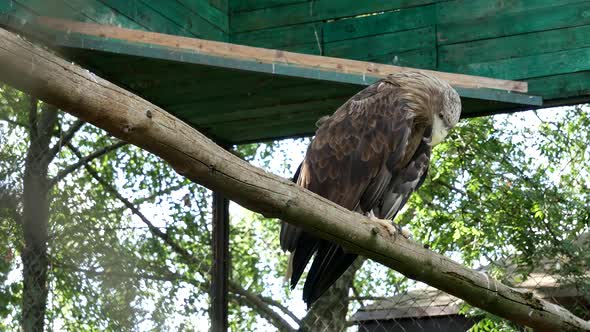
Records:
x=306, y=246
x=329, y=264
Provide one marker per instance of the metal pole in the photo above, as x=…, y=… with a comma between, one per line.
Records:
x=220, y=273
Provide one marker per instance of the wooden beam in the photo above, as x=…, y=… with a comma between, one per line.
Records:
x=242, y=52
x=221, y=259
x=77, y=91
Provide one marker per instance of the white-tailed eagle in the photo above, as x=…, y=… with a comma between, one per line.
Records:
x=369, y=157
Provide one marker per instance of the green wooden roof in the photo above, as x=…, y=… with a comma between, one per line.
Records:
x=545, y=43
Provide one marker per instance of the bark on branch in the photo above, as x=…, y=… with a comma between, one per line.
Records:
x=127, y=116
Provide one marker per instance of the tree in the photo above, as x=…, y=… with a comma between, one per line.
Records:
x=127, y=239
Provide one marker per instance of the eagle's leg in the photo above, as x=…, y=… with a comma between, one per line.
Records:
x=392, y=228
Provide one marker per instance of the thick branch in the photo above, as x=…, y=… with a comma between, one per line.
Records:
x=99, y=102
x=83, y=161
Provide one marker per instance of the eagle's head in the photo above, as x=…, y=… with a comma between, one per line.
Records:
x=448, y=114
x=428, y=95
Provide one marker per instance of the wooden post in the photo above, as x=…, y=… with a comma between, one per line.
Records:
x=220, y=270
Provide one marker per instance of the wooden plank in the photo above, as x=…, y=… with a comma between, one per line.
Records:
x=301, y=128
x=6, y=6
x=555, y=17
x=422, y=58
x=515, y=46
x=273, y=57
x=247, y=5
x=178, y=14
x=208, y=12
x=314, y=11
x=531, y=66
x=245, y=101
x=211, y=120
x=15, y=15
x=562, y=86
x=222, y=5
x=373, y=46
x=191, y=92
x=100, y=13
x=382, y=23
x=278, y=38
x=147, y=16
x=473, y=10
x=57, y=9
x=312, y=48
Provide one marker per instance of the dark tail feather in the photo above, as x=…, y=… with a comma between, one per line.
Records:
x=329, y=264
x=306, y=246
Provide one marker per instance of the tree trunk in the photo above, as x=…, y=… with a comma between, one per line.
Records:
x=35, y=219
x=329, y=312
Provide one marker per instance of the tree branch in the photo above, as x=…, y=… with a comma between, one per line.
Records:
x=192, y=154
x=64, y=140
x=264, y=310
x=33, y=108
x=254, y=300
x=96, y=154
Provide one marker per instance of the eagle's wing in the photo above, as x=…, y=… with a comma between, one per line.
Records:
x=407, y=180
x=351, y=161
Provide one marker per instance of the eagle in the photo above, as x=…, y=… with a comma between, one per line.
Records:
x=369, y=157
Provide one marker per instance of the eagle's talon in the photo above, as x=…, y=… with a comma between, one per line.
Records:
x=392, y=228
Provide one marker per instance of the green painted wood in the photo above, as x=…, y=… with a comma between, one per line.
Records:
x=188, y=57
x=222, y=5
x=7, y=6
x=207, y=11
x=293, y=129
x=529, y=67
x=311, y=48
x=235, y=116
x=55, y=8
x=499, y=96
x=473, y=10
x=247, y=5
x=421, y=58
x=15, y=14
x=286, y=121
x=314, y=11
x=515, y=46
x=245, y=85
x=387, y=22
x=548, y=18
x=98, y=12
x=185, y=19
x=278, y=38
x=562, y=86
x=244, y=101
x=147, y=17
x=373, y=46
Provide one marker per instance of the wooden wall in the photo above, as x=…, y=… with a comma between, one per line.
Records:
x=192, y=18
x=546, y=42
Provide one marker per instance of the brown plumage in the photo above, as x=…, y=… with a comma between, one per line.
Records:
x=369, y=156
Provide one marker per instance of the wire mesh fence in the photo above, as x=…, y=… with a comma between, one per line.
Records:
x=129, y=248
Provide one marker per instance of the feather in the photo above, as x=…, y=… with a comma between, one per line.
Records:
x=369, y=156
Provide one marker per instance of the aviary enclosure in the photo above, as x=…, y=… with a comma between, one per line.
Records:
x=158, y=74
